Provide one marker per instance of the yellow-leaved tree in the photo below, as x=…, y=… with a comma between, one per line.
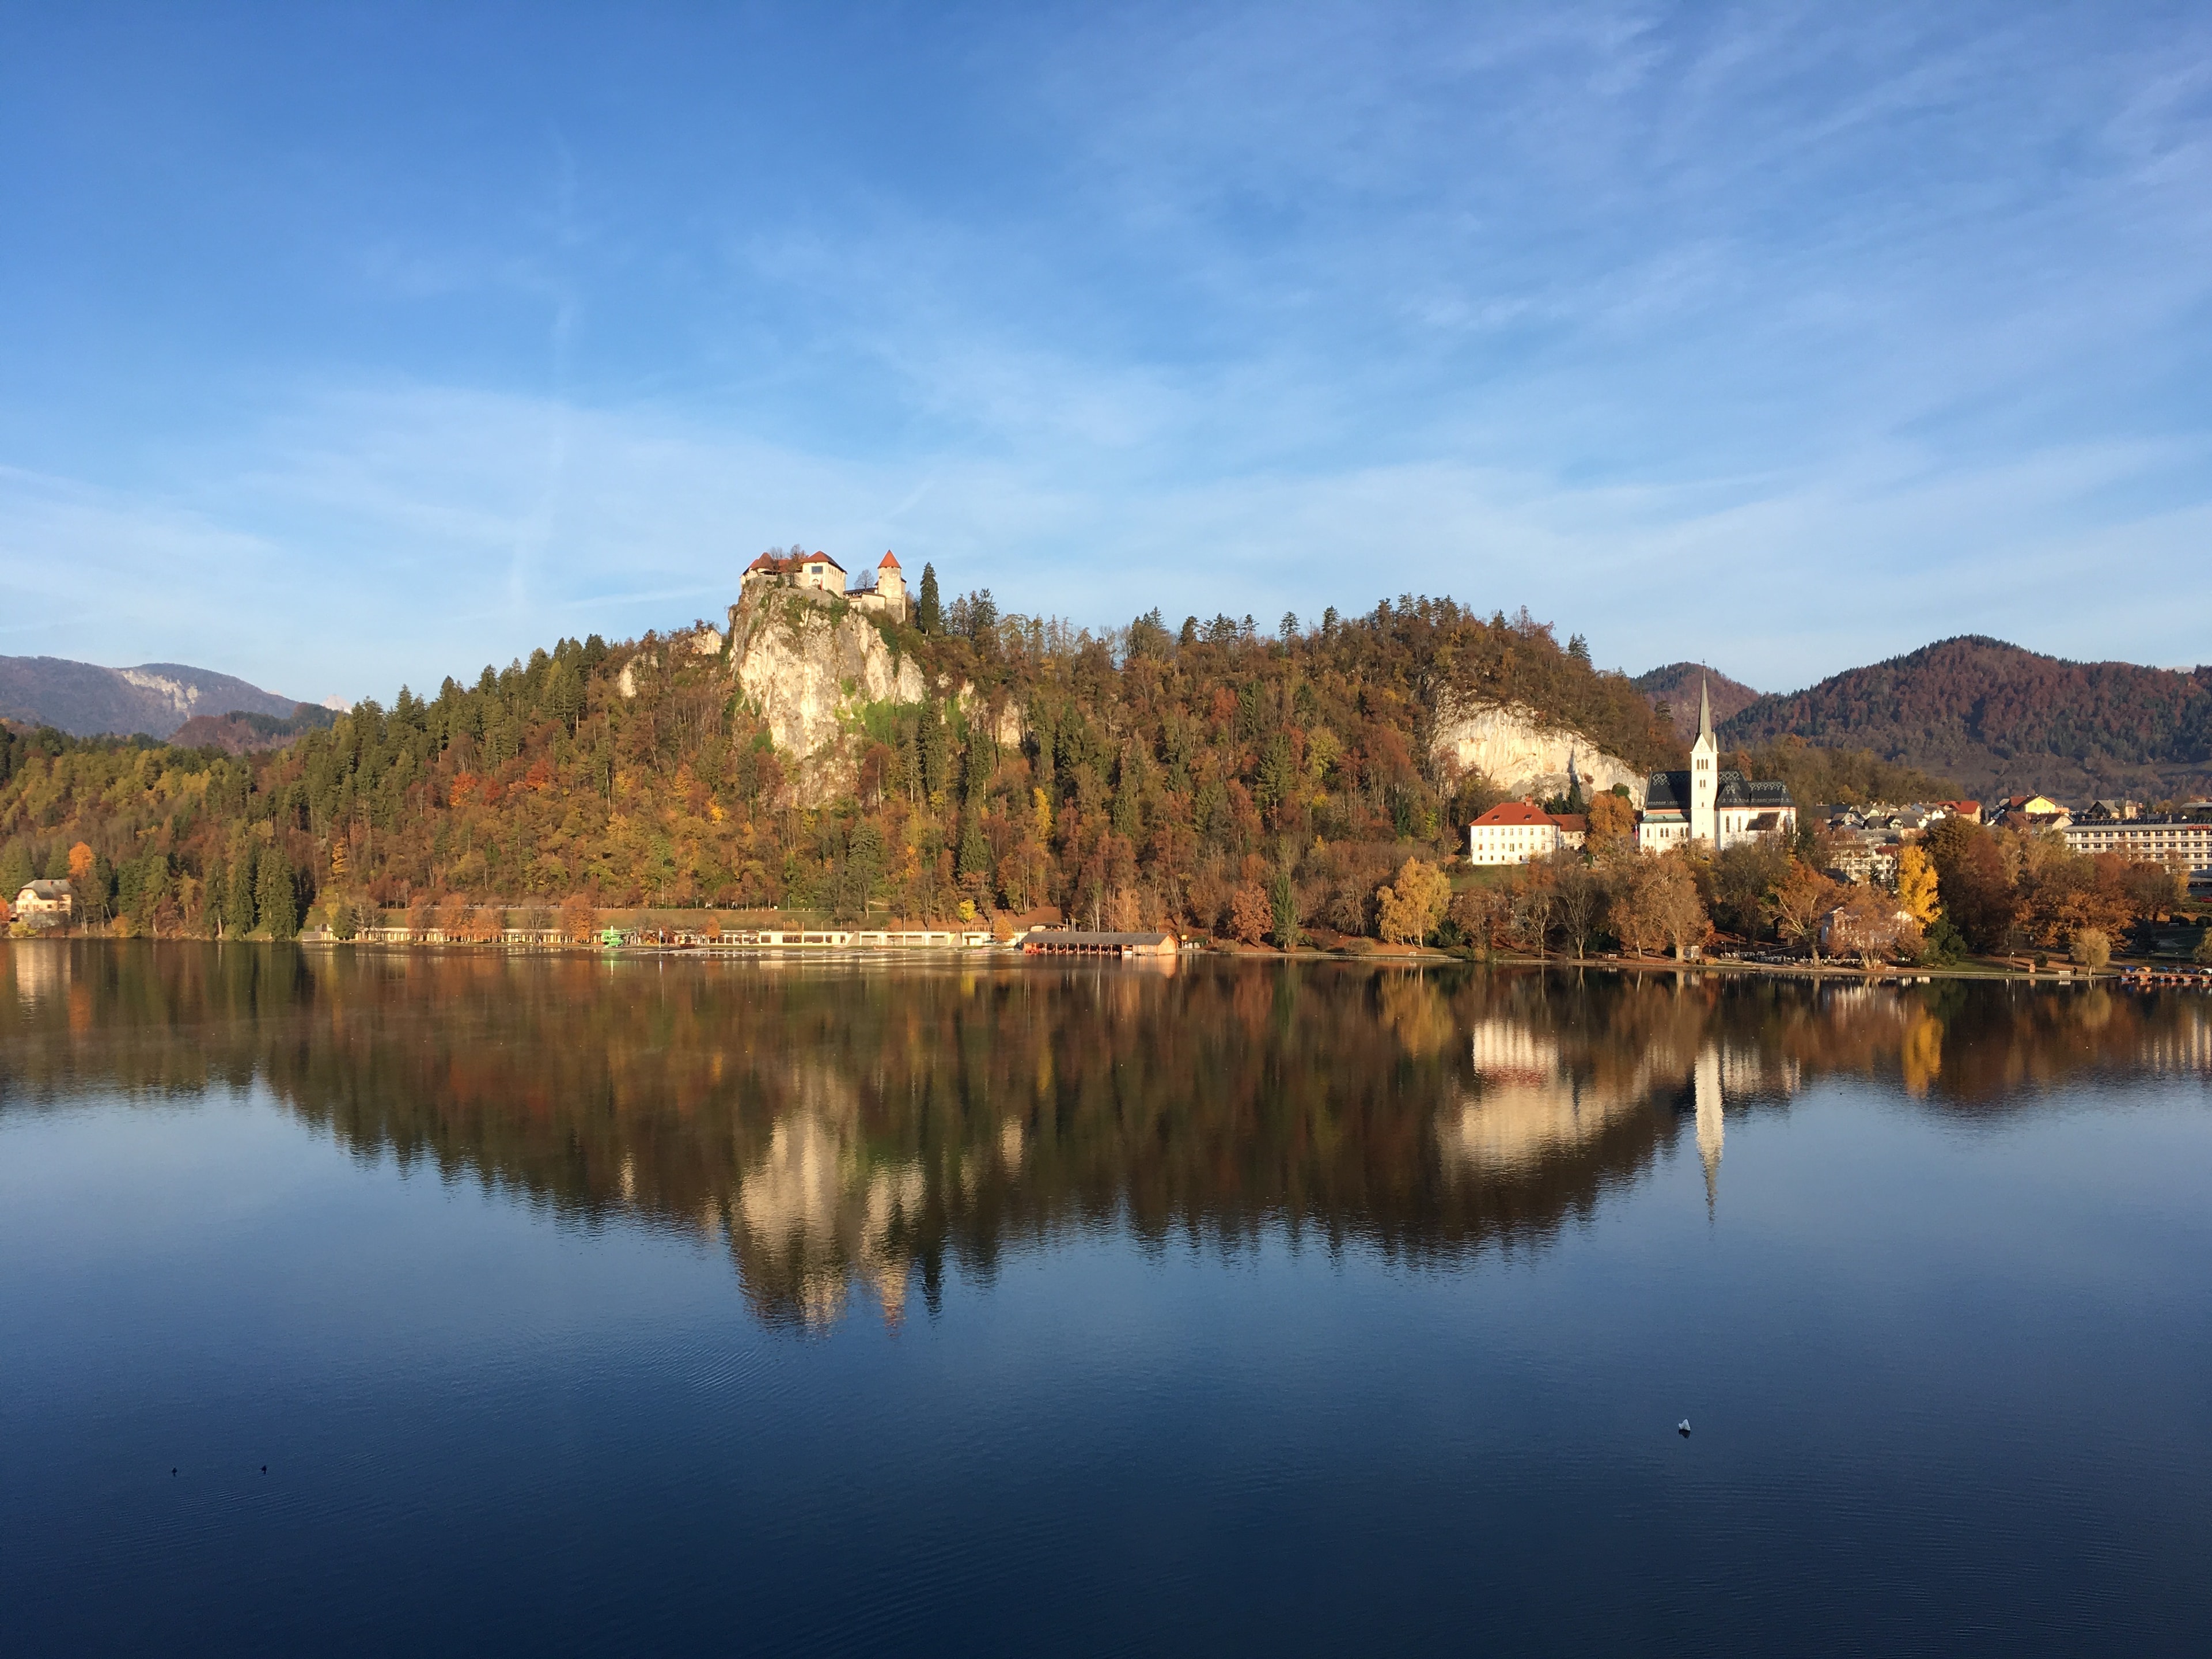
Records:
x=1915, y=884
x=1407, y=911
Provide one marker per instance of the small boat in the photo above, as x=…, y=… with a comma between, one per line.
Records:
x=1682, y=1428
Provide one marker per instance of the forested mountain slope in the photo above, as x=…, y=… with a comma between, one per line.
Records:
x=85, y=699
x=1675, y=689
x=1144, y=776
x=2001, y=719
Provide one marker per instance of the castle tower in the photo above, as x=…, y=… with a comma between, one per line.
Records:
x=891, y=582
x=1704, y=774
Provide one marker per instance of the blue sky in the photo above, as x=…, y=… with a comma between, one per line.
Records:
x=341, y=347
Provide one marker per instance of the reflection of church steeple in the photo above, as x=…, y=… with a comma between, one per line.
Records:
x=1707, y=1086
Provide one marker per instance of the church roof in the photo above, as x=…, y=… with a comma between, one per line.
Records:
x=1669, y=791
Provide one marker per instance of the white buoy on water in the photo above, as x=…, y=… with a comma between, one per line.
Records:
x=1682, y=1428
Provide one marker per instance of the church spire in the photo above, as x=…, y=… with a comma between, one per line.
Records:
x=1704, y=710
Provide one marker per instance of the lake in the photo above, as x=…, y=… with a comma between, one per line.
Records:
x=576, y=1305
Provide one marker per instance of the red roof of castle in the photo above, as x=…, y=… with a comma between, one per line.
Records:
x=888, y=562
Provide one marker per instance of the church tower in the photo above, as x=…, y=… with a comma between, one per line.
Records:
x=1704, y=774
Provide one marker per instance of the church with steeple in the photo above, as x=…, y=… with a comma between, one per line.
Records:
x=1707, y=805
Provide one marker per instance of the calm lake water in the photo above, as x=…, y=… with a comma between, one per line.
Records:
x=578, y=1305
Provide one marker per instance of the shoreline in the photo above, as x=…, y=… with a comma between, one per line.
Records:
x=2173, y=976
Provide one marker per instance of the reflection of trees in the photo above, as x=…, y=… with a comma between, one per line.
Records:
x=856, y=1127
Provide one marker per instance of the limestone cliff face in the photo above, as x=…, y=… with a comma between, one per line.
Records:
x=807, y=668
x=1509, y=747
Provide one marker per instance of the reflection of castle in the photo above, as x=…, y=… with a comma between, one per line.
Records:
x=810, y=1213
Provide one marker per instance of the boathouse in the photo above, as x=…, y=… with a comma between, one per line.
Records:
x=1074, y=942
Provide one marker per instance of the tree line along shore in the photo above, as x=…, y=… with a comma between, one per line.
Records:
x=1268, y=789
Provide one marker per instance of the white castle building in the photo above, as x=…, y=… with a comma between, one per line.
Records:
x=883, y=589
x=1706, y=804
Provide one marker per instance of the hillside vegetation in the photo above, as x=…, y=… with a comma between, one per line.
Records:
x=1202, y=776
x=2000, y=719
x=1674, y=690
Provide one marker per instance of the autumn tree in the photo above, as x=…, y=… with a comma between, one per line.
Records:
x=1673, y=898
x=1611, y=822
x=1478, y=912
x=1797, y=904
x=1873, y=926
x=1250, y=915
x=1973, y=885
x=1407, y=911
x=1915, y=884
x=1582, y=901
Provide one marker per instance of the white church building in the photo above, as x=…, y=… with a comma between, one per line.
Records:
x=1721, y=809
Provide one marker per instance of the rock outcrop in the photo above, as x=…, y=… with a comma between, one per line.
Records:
x=807, y=668
x=1523, y=757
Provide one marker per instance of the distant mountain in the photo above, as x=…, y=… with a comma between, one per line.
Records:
x=243, y=733
x=86, y=699
x=1675, y=687
x=2001, y=721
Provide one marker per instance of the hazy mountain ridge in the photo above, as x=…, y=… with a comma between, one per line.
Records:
x=86, y=700
x=1676, y=685
x=2002, y=718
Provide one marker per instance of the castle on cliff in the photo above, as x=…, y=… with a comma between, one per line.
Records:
x=881, y=590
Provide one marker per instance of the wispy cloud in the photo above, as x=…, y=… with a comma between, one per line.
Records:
x=1784, y=335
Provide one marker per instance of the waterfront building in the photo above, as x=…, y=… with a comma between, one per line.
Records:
x=2182, y=841
x=43, y=903
x=1515, y=832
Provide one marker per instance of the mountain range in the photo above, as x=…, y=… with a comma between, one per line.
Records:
x=1999, y=720
x=86, y=699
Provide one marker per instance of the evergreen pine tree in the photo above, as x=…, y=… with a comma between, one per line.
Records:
x=929, y=613
x=274, y=904
x=16, y=871
x=238, y=899
x=975, y=851
x=1283, y=905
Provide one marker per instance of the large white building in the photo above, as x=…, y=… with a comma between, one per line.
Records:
x=1514, y=832
x=2181, y=842
x=1707, y=805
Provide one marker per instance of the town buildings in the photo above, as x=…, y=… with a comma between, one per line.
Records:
x=2182, y=841
x=1721, y=809
x=1515, y=832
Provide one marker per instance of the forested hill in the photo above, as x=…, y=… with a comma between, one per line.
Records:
x=2000, y=719
x=1151, y=774
x=1673, y=690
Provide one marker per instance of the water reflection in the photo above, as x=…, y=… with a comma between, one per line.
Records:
x=850, y=1132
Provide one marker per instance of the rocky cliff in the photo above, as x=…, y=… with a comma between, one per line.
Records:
x=1524, y=757
x=807, y=669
